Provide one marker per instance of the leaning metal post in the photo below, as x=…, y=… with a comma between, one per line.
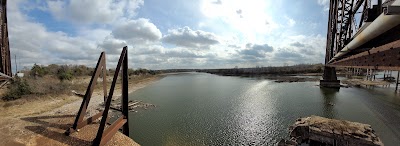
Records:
x=125, y=110
x=105, y=134
x=397, y=80
x=79, y=122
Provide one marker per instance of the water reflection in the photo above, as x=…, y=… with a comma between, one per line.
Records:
x=203, y=109
x=255, y=114
x=329, y=97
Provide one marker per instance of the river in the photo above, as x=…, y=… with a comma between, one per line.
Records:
x=205, y=109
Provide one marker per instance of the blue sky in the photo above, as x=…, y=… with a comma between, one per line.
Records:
x=170, y=33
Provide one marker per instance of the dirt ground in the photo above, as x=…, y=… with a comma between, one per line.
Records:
x=43, y=121
x=359, y=82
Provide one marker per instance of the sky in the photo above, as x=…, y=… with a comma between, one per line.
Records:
x=169, y=33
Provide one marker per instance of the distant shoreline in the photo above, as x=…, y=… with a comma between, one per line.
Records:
x=281, y=78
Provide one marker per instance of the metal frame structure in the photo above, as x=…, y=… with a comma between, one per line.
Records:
x=342, y=23
x=103, y=134
x=375, y=43
x=5, y=60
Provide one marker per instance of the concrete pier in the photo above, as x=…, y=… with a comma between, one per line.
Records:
x=329, y=78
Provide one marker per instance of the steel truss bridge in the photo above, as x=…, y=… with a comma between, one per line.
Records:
x=5, y=60
x=362, y=34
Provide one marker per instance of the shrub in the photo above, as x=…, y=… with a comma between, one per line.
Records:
x=152, y=72
x=52, y=69
x=64, y=73
x=38, y=71
x=131, y=72
x=80, y=70
x=18, y=88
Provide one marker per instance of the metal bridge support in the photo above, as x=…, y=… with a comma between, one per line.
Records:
x=397, y=80
x=329, y=78
x=105, y=133
x=5, y=61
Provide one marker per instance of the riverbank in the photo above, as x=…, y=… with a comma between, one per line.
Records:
x=286, y=78
x=362, y=82
x=43, y=121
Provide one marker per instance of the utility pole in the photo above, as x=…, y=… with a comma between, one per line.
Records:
x=15, y=61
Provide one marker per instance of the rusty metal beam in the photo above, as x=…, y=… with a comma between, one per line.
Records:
x=5, y=59
x=384, y=57
x=111, y=130
x=380, y=25
x=89, y=120
x=357, y=6
x=79, y=122
x=104, y=135
x=125, y=109
x=104, y=76
x=362, y=15
x=345, y=12
x=331, y=33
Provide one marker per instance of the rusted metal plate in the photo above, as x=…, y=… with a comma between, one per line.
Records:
x=111, y=130
x=384, y=57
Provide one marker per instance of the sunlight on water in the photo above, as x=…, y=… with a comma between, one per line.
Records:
x=255, y=112
x=204, y=109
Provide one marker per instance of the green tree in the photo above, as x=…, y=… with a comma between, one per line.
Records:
x=38, y=71
x=64, y=73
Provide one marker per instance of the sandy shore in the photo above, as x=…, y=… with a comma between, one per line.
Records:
x=44, y=121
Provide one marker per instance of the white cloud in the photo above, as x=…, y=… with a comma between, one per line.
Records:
x=137, y=30
x=256, y=51
x=325, y=4
x=301, y=49
x=290, y=22
x=112, y=25
x=250, y=19
x=33, y=43
x=217, y=2
x=187, y=37
x=112, y=45
x=148, y=50
x=93, y=11
x=93, y=34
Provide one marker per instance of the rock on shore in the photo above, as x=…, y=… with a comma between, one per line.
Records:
x=319, y=130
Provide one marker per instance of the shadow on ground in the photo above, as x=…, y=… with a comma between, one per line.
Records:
x=53, y=127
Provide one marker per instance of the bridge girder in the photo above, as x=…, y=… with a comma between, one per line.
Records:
x=341, y=25
x=5, y=59
x=343, y=15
